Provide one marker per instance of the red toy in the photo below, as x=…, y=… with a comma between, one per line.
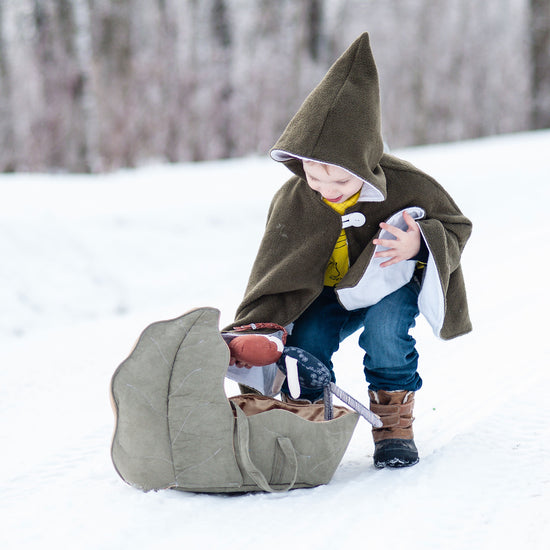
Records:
x=255, y=350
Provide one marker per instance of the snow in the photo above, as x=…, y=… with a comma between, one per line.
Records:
x=89, y=261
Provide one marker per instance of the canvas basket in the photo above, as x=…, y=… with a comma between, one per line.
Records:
x=176, y=428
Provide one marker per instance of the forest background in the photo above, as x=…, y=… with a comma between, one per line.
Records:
x=97, y=85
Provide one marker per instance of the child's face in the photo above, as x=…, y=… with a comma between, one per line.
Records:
x=334, y=183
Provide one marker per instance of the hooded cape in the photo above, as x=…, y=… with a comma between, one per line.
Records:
x=339, y=124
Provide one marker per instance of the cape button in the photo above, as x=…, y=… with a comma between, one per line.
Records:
x=354, y=219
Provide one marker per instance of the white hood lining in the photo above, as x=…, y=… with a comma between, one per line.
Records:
x=369, y=193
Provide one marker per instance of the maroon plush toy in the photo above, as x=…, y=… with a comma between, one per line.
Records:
x=254, y=350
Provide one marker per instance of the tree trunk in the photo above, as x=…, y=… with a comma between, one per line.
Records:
x=7, y=160
x=540, y=60
x=85, y=96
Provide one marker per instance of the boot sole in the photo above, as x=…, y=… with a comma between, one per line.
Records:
x=395, y=453
x=395, y=463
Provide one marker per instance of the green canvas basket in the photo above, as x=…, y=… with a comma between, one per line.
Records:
x=176, y=428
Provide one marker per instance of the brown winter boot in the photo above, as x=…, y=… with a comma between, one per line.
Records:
x=393, y=442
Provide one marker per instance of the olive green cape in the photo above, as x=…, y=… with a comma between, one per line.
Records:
x=339, y=124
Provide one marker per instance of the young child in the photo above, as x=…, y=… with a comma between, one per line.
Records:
x=359, y=240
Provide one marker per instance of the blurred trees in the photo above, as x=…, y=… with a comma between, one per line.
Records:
x=90, y=85
x=540, y=62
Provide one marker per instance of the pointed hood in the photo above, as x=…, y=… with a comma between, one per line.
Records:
x=339, y=122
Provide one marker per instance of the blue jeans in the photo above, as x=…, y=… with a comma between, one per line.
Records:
x=390, y=361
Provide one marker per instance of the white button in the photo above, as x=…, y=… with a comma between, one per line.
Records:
x=355, y=219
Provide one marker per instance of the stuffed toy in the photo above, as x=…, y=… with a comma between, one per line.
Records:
x=300, y=368
x=258, y=350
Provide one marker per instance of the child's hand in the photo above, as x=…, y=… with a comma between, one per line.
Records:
x=405, y=246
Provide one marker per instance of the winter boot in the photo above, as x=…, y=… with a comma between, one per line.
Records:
x=393, y=442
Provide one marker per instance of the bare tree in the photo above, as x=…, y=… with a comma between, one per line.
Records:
x=111, y=43
x=7, y=160
x=540, y=60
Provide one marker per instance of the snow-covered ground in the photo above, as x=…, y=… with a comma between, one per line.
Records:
x=86, y=262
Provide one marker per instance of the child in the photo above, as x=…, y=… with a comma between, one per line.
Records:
x=359, y=240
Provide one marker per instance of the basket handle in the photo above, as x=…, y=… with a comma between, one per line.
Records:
x=284, y=446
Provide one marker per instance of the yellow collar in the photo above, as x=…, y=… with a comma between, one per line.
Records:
x=341, y=207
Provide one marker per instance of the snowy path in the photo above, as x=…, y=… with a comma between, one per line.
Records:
x=89, y=262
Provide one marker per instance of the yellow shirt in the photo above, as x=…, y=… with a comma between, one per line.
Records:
x=339, y=261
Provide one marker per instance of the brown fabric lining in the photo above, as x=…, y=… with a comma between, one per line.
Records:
x=254, y=404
